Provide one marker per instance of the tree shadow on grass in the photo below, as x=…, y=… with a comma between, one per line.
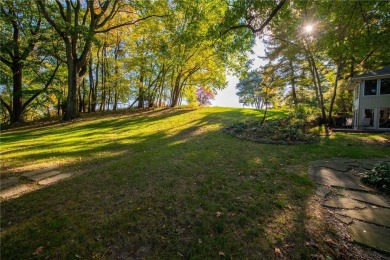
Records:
x=185, y=189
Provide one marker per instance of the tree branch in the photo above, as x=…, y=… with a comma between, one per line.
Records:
x=262, y=26
x=48, y=18
x=6, y=62
x=47, y=84
x=128, y=23
x=8, y=107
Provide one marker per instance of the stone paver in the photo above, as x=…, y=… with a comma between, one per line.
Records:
x=334, y=165
x=5, y=183
x=360, y=170
x=371, y=235
x=44, y=175
x=323, y=191
x=54, y=179
x=375, y=216
x=343, y=203
x=15, y=191
x=329, y=177
x=11, y=187
x=369, y=220
x=366, y=197
x=32, y=173
x=344, y=219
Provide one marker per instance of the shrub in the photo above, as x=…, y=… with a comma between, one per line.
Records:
x=379, y=177
x=286, y=130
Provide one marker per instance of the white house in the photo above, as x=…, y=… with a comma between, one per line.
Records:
x=371, y=105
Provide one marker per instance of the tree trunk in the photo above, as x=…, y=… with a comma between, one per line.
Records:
x=313, y=76
x=293, y=91
x=17, y=94
x=115, y=101
x=334, y=94
x=141, y=92
x=176, y=91
x=323, y=114
x=317, y=83
x=265, y=112
x=71, y=111
x=96, y=82
x=103, y=81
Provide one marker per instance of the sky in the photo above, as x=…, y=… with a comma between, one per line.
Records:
x=227, y=97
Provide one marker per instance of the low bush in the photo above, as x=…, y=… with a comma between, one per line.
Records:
x=287, y=130
x=379, y=177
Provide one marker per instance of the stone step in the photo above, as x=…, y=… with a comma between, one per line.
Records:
x=366, y=197
x=6, y=183
x=343, y=203
x=15, y=191
x=371, y=235
x=329, y=177
x=54, y=179
x=44, y=175
x=29, y=174
x=379, y=216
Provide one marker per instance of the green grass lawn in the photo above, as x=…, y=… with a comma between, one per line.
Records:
x=166, y=184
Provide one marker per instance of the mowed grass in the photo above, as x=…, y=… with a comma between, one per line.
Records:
x=166, y=184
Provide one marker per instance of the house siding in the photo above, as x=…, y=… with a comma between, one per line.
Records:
x=375, y=102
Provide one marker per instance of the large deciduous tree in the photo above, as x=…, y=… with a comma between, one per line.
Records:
x=77, y=22
x=21, y=32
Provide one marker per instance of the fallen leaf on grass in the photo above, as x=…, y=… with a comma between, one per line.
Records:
x=317, y=257
x=330, y=241
x=278, y=252
x=288, y=245
x=311, y=243
x=38, y=251
x=219, y=214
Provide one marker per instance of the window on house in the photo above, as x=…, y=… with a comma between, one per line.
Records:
x=370, y=87
x=384, y=117
x=385, y=86
x=368, y=120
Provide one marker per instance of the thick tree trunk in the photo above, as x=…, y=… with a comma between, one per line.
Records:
x=17, y=94
x=71, y=111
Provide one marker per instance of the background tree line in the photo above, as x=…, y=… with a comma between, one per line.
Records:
x=72, y=56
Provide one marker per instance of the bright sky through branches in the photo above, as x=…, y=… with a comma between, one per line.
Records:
x=228, y=97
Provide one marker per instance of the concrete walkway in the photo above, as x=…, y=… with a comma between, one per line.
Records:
x=15, y=186
x=365, y=211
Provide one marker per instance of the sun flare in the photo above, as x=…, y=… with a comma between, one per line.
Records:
x=308, y=28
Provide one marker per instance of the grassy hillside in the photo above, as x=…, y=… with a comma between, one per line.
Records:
x=165, y=183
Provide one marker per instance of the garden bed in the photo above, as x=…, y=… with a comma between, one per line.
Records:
x=282, y=131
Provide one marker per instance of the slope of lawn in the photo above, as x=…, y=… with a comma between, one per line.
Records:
x=168, y=184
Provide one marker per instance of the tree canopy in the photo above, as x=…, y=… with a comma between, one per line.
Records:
x=70, y=57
